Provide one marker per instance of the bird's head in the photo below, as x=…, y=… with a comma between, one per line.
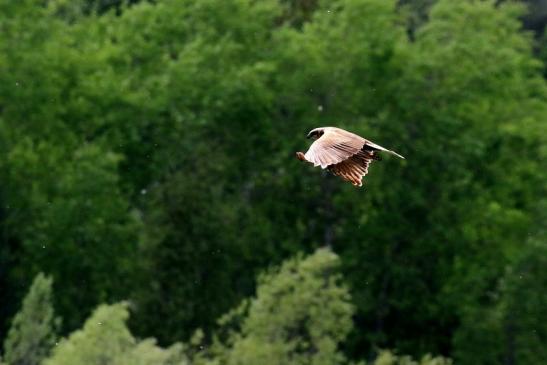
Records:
x=315, y=133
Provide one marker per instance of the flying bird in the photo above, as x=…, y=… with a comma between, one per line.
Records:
x=343, y=153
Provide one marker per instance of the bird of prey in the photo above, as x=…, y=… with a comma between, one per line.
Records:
x=343, y=153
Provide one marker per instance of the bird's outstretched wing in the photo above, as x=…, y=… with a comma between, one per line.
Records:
x=354, y=168
x=343, y=153
x=334, y=146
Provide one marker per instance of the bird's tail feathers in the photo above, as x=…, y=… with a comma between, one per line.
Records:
x=378, y=147
x=396, y=154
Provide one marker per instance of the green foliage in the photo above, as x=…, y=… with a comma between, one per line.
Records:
x=543, y=52
x=105, y=339
x=494, y=86
x=32, y=334
x=416, y=11
x=461, y=99
x=78, y=219
x=300, y=315
x=207, y=107
x=62, y=187
x=512, y=330
x=389, y=358
x=148, y=154
x=524, y=332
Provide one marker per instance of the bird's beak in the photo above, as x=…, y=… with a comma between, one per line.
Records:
x=308, y=136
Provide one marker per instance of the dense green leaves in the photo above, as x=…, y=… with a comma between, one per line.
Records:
x=105, y=339
x=300, y=315
x=33, y=330
x=389, y=358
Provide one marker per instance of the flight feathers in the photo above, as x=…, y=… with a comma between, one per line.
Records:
x=343, y=153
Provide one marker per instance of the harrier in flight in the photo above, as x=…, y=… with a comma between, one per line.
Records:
x=342, y=153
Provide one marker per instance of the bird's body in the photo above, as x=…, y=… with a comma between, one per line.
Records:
x=343, y=153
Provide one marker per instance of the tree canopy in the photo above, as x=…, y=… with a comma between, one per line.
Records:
x=148, y=159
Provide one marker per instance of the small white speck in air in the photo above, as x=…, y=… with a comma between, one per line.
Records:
x=320, y=108
x=143, y=191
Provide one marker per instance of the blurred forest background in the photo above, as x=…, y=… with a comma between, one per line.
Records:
x=152, y=210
